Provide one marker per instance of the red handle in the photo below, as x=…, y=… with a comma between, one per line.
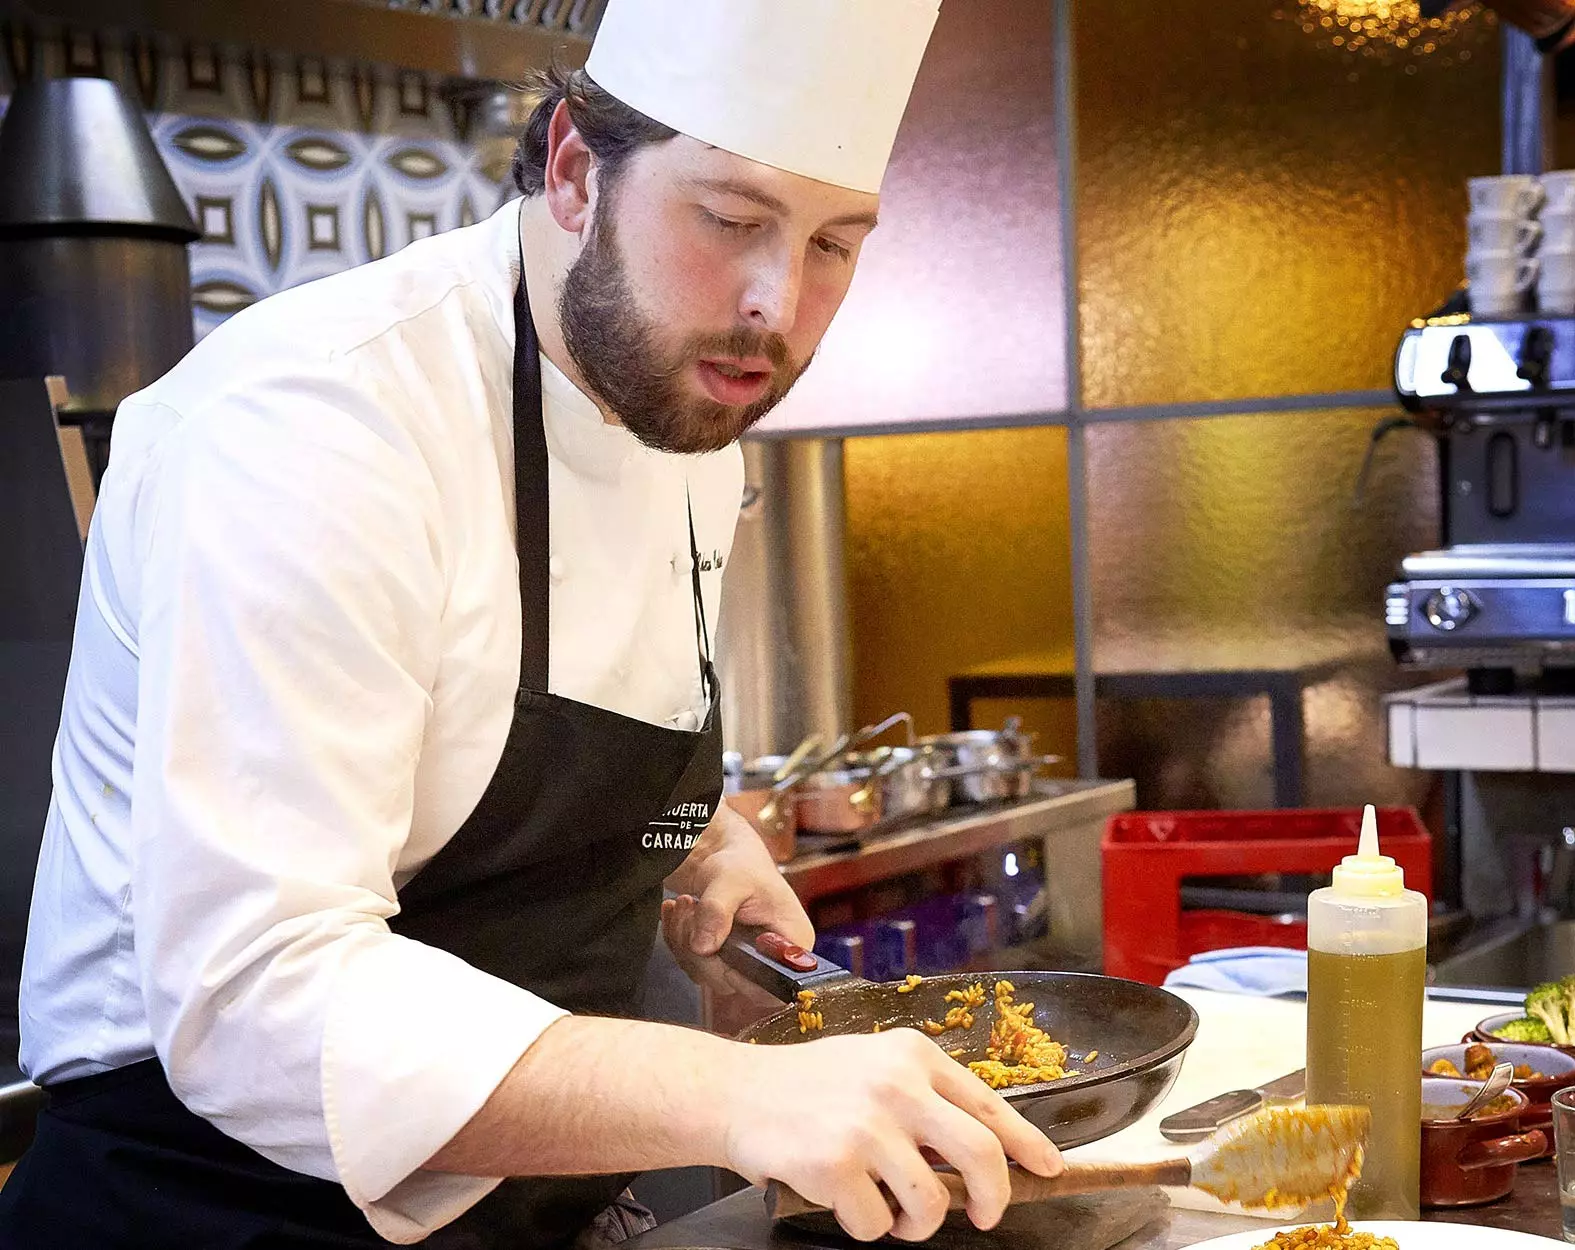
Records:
x=783, y=951
x=1502, y=1150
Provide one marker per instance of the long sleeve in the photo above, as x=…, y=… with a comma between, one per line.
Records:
x=287, y=593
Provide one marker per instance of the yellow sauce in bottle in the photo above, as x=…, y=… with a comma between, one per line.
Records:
x=1368, y=1053
x=1366, y=981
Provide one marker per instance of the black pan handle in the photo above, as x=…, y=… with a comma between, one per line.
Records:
x=782, y=969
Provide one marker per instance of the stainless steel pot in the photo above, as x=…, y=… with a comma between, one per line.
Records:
x=907, y=780
x=987, y=765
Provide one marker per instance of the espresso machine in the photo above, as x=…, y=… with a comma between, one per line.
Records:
x=1491, y=614
x=1498, y=598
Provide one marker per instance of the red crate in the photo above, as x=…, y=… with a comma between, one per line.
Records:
x=1145, y=856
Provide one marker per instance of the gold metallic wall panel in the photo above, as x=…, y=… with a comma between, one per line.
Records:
x=957, y=309
x=957, y=554
x=1235, y=541
x=1261, y=213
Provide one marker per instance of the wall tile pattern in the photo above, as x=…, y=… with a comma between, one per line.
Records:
x=294, y=168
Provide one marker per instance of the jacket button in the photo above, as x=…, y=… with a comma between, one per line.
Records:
x=556, y=568
x=683, y=564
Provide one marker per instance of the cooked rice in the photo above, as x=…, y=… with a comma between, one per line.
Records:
x=1336, y=1236
x=971, y=997
x=808, y=1018
x=956, y=1018
x=1020, y=1052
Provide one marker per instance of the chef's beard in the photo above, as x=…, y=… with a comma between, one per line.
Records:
x=621, y=356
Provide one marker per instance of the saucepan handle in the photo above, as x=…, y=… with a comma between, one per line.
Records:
x=776, y=965
x=1502, y=1150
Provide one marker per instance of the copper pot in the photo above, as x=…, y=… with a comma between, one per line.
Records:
x=775, y=822
x=761, y=791
x=837, y=801
x=1467, y=1163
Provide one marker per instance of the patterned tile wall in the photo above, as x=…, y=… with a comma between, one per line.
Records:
x=294, y=168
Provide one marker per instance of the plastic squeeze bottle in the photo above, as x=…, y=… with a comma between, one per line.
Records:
x=1366, y=979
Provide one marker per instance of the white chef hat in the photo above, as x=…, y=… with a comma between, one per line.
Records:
x=815, y=87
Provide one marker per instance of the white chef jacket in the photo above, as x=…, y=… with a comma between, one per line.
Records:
x=296, y=652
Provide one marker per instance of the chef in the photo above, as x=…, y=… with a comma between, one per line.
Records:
x=391, y=709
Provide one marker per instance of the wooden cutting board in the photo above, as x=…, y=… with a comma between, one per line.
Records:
x=1081, y=1222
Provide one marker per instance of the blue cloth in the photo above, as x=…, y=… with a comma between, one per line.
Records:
x=1264, y=971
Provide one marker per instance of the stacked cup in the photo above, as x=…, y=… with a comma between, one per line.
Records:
x=1502, y=231
x=1556, y=259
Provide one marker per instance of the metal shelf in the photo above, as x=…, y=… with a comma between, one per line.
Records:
x=1062, y=805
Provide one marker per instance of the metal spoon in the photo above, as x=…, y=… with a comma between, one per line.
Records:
x=1495, y=1085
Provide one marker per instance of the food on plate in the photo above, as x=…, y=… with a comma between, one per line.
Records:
x=1479, y=1066
x=1524, y=1029
x=1553, y=1003
x=1337, y=1236
x=1328, y=1237
x=1020, y=1052
x=808, y=1017
x=909, y=982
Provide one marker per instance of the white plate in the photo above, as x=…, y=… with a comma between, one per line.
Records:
x=1410, y=1234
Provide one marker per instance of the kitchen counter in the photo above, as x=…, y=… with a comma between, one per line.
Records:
x=1241, y=1042
x=739, y=1223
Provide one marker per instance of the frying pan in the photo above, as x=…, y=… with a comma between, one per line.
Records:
x=1140, y=1032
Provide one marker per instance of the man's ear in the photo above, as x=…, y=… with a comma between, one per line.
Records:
x=568, y=173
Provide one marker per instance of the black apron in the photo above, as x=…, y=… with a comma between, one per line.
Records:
x=554, y=883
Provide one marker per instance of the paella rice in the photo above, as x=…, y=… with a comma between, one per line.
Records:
x=909, y=984
x=956, y=1018
x=1328, y=1237
x=1337, y=1236
x=808, y=1017
x=971, y=997
x=1019, y=1051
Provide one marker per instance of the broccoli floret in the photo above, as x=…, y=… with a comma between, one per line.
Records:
x=1525, y=1029
x=1550, y=1003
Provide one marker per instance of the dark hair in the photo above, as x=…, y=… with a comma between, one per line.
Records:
x=611, y=129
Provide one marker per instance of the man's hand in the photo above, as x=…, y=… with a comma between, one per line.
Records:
x=838, y=1117
x=729, y=876
x=843, y=1120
